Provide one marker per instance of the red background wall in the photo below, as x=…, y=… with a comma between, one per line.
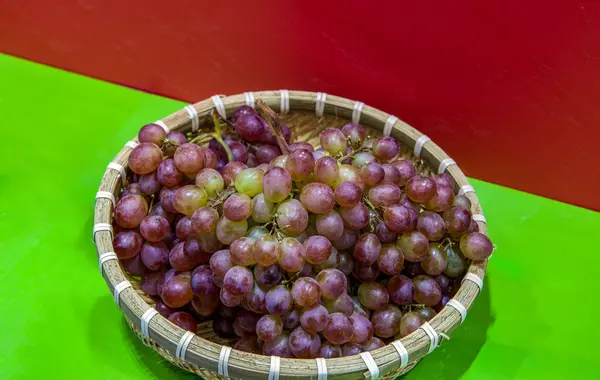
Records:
x=509, y=89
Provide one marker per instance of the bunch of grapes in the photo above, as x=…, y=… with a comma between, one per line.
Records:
x=295, y=252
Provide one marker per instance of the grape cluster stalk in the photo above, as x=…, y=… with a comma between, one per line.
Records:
x=293, y=251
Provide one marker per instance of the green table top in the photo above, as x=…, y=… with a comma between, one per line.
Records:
x=535, y=318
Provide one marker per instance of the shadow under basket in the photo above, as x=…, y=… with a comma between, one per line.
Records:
x=306, y=113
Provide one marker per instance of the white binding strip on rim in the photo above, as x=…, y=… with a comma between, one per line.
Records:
x=249, y=99
x=321, y=369
x=389, y=124
x=131, y=144
x=445, y=164
x=106, y=256
x=371, y=365
x=466, y=189
x=320, y=104
x=274, y=369
x=459, y=307
x=119, y=288
x=106, y=195
x=479, y=218
x=474, y=279
x=284, y=104
x=183, y=344
x=193, y=114
x=402, y=352
x=145, y=321
x=119, y=168
x=102, y=227
x=224, y=361
x=162, y=125
x=219, y=106
x=419, y=145
x=433, y=336
x=356, y=111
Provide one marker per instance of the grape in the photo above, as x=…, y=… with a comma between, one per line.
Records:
x=303, y=344
x=257, y=232
x=401, y=290
x=397, y=219
x=210, y=180
x=329, y=351
x=262, y=210
x=355, y=133
x=372, y=174
x=145, y=158
x=237, y=207
x=391, y=259
x=149, y=281
x=333, y=141
x=444, y=180
x=301, y=145
x=279, y=162
x=342, y=304
x=373, y=295
x=189, y=198
x=204, y=220
x=427, y=313
x=476, y=246
x=208, y=242
x=154, y=228
x=193, y=251
x=431, y=225
x=247, y=344
x=436, y=260
x=183, y=228
x=420, y=188
x=277, y=184
x=410, y=322
x=427, y=290
x=442, y=199
x=255, y=299
x=300, y=164
x=330, y=225
x=339, y=329
x=189, y=158
x=278, y=300
x=241, y=251
x=413, y=269
x=348, y=194
x=444, y=282
x=373, y=344
x=280, y=346
x=269, y=327
x=202, y=281
x=175, y=138
x=292, y=255
x=238, y=281
x=206, y=305
x=166, y=277
x=163, y=309
x=127, y=244
x=367, y=248
x=350, y=349
x=168, y=175
x=317, y=198
x=149, y=184
x=347, y=240
x=249, y=181
x=363, y=328
x=184, y=320
x=406, y=169
x=386, y=148
x=327, y=171
x=210, y=158
x=158, y=210
x=346, y=264
x=179, y=260
x=292, y=217
x=384, y=234
x=247, y=320
x=306, y=271
x=267, y=276
x=473, y=227
x=227, y=231
x=386, y=321
x=155, y=256
x=456, y=264
x=442, y=303
x=306, y=292
x=249, y=126
x=130, y=211
x=414, y=246
x=314, y=319
x=252, y=163
x=356, y=217
x=266, y=250
x=229, y=299
x=366, y=273
x=392, y=174
x=361, y=159
x=386, y=194
x=333, y=261
x=349, y=173
x=238, y=151
x=333, y=283
x=132, y=189
x=231, y=171
x=462, y=201
x=317, y=249
x=457, y=220
x=291, y=320
x=266, y=153
x=152, y=133
x=177, y=291
x=166, y=199
x=223, y=328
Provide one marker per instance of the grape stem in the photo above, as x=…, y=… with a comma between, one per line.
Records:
x=361, y=148
x=372, y=208
x=222, y=196
x=217, y=136
x=274, y=124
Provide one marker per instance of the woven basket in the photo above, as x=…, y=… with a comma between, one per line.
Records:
x=205, y=354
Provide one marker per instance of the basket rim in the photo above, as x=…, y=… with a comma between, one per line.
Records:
x=204, y=353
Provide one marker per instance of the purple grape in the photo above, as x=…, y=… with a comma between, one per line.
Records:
x=314, y=319
x=130, y=211
x=406, y=169
x=303, y=344
x=127, y=244
x=184, y=320
x=420, y=188
x=476, y=246
x=155, y=256
x=401, y=290
x=145, y=158
x=427, y=290
x=367, y=248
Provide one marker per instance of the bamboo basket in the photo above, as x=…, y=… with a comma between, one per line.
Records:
x=205, y=354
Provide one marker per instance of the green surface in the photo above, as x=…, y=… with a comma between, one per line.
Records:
x=534, y=320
